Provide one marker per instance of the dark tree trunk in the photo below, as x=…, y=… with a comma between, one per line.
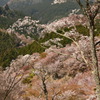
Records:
x=45, y=88
x=94, y=58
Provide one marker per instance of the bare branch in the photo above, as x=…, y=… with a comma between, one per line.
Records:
x=82, y=54
x=97, y=43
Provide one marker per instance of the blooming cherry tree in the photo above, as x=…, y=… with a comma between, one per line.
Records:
x=91, y=10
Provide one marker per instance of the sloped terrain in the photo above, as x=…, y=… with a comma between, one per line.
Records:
x=66, y=77
x=56, y=65
x=48, y=37
x=42, y=10
x=8, y=16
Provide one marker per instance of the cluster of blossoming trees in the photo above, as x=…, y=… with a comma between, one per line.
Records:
x=91, y=10
x=58, y=73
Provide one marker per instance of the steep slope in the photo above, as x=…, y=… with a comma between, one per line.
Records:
x=49, y=36
x=7, y=44
x=42, y=9
x=26, y=26
x=62, y=70
x=8, y=16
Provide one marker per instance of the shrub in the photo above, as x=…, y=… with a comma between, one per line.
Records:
x=82, y=30
x=28, y=79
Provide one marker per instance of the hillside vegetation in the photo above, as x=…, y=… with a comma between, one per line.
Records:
x=8, y=16
x=44, y=11
x=10, y=51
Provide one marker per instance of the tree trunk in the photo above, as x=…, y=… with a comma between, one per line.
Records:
x=45, y=88
x=94, y=59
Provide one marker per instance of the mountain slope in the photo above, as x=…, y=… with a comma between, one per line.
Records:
x=48, y=39
x=43, y=10
x=8, y=16
x=3, y=2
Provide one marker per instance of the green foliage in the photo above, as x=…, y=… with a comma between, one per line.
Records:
x=59, y=31
x=9, y=50
x=44, y=11
x=10, y=54
x=65, y=41
x=28, y=79
x=82, y=30
x=53, y=35
x=5, y=11
x=6, y=22
x=7, y=56
x=31, y=48
x=8, y=17
x=48, y=36
x=85, y=31
x=66, y=29
x=8, y=43
x=31, y=75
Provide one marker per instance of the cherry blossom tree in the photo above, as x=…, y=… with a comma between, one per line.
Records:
x=91, y=9
x=10, y=79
